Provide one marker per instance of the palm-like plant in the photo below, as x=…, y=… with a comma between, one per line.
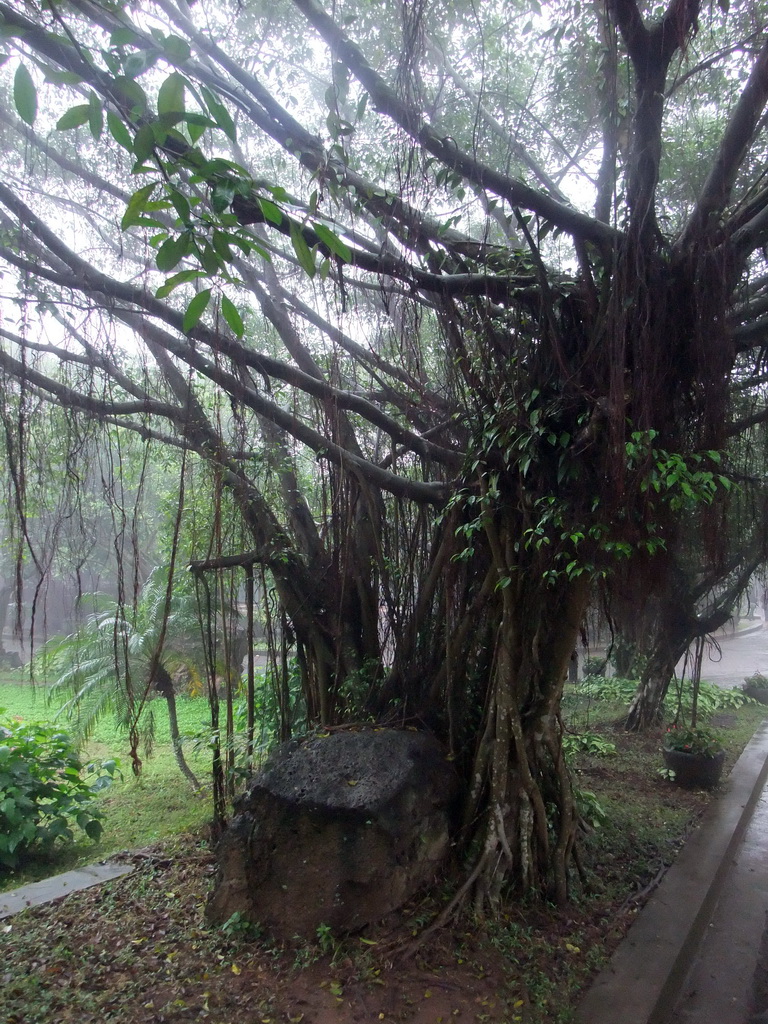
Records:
x=121, y=656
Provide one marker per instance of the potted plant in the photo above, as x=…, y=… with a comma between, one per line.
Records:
x=756, y=687
x=695, y=754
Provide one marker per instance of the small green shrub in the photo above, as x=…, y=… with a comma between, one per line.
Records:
x=45, y=790
x=587, y=743
x=238, y=926
x=595, y=666
x=614, y=689
x=757, y=681
x=712, y=699
x=590, y=810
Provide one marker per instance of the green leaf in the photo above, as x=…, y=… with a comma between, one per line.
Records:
x=183, y=277
x=220, y=114
x=212, y=263
x=74, y=117
x=220, y=166
x=243, y=244
x=334, y=243
x=172, y=251
x=136, y=205
x=62, y=77
x=180, y=203
x=24, y=95
x=118, y=131
x=221, y=245
x=132, y=95
x=197, y=124
x=94, y=829
x=300, y=247
x=137, y=63
x=123, y=37
x=195, y=310
x=271, y=212
x=195, y=131
x=177, y=49
x=170, y=98
x=222, y=196
x=232, y=316
x=144, y=143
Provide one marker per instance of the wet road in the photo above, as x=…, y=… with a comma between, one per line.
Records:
x=726, y=982
x=739, y=656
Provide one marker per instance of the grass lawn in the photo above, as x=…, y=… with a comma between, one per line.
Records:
x=138, y=811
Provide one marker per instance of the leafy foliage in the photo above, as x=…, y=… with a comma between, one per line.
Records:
x=45, y=790
x=106, y=662
x=711, y=699
x=757, y=681
x=122, y=657
x=699, y=740
x=595, y=666
x=591, y=810
x=617, y=690
x=610, y=688
x=587, y=743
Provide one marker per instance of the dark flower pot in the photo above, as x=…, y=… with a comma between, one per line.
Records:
x=695, y=771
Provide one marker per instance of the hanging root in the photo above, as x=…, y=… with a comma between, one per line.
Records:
x=449, y=912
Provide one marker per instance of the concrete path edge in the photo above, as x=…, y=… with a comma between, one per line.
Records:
x=49, y=889
x=645, y=976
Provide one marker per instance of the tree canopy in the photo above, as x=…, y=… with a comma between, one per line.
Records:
x=452, y=303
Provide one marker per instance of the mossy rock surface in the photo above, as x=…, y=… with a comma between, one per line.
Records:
x=339, y=830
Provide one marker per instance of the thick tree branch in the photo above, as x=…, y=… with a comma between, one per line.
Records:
x=740, y=426
x=88, y=279
x=72, y=399
x=650, y=50
x=734, y=146
x=410, y=120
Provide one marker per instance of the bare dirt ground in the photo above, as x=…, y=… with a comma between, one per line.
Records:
x=138, y=950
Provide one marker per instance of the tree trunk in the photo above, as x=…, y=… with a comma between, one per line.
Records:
x=522, y=790
x=646, y=708
x=164, y=685
x=6, y=592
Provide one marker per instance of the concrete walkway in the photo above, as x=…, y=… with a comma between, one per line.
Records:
x=50, y=889
x=698, y=948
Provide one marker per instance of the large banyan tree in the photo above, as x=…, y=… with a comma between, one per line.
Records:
x=450, y=300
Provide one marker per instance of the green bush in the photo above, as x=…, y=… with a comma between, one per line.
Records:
x=614, y=688
x=45, y=790
x=595, y=666
x=711, y=699
x=756, y=681
x=587, y=743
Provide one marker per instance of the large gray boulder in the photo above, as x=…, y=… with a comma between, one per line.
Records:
x=338, y=830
